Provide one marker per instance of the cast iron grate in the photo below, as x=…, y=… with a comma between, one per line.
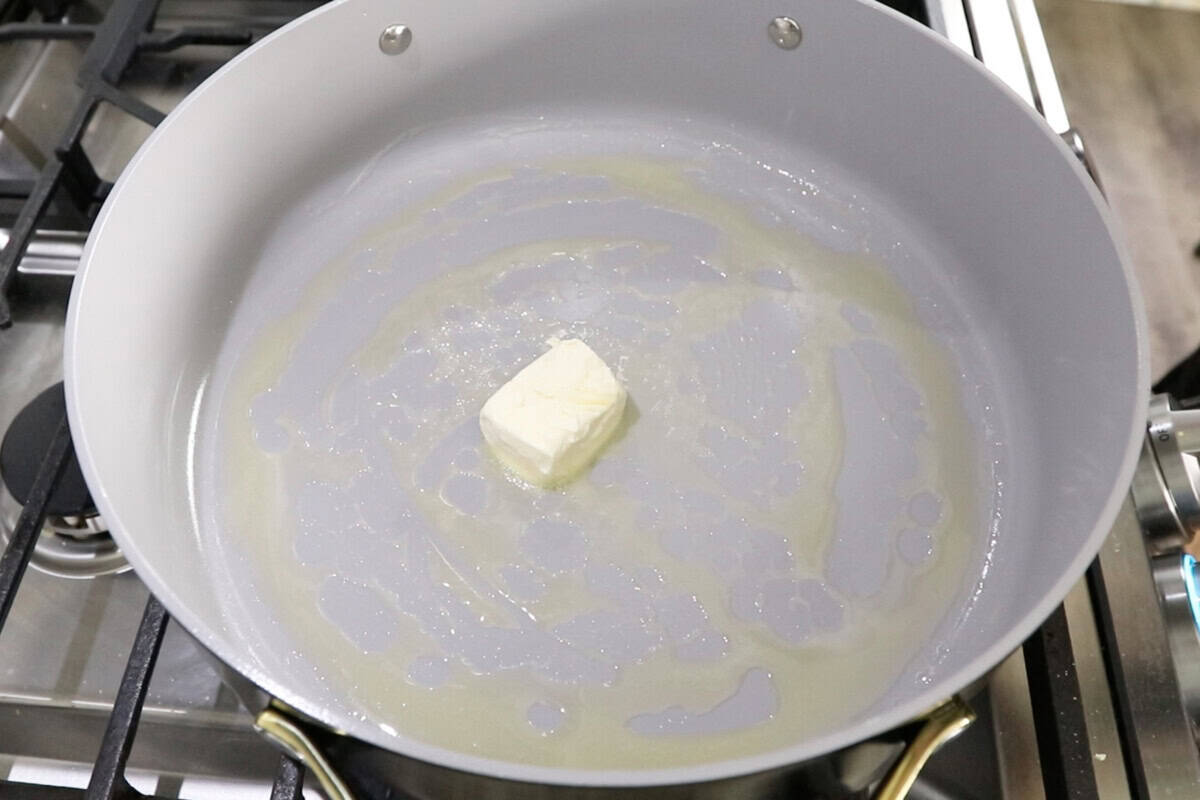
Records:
x=126, y=30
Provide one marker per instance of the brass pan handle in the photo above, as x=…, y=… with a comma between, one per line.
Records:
x=943, y=724
x=283, y=731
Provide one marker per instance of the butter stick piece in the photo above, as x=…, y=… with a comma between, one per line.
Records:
x=555, y=415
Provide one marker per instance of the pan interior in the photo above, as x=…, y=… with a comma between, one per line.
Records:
x=800, y=502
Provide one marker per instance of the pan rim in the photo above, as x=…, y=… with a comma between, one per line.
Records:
x=805, y=750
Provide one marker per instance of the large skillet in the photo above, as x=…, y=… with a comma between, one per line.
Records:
x=926, y=145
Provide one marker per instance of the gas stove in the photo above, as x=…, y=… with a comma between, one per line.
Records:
x=99, y=689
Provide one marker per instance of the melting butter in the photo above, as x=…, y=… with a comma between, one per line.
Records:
x=692, y=559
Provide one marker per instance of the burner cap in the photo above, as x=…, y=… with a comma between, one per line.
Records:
x=26, y=442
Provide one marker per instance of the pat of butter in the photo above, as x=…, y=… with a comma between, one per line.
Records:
x=554, y=416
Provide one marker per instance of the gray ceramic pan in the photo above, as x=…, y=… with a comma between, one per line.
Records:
x=884, y=361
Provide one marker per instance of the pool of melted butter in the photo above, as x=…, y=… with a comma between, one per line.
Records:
x=791, y=507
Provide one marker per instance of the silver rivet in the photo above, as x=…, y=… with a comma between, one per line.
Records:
x=395, y=39
x=784, y=32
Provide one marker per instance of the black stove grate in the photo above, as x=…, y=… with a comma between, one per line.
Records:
x=33, y=514
x=1059, y=716
x=108, y=778
x=126, y=30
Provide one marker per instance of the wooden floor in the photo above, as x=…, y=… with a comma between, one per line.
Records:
x=1131, y=80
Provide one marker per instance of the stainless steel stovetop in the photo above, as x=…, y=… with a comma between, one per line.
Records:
x=1090, y=708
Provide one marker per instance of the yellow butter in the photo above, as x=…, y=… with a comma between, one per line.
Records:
x=555, y=415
